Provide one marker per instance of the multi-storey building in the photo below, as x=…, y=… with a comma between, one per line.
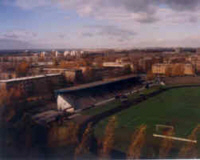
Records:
x=173, y=69
x=71, y=75
x=35, y=84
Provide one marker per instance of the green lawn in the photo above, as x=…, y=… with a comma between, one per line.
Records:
x=179, y=107
x=101, y=109
x=117, y=103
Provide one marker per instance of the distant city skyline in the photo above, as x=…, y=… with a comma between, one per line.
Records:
x=54, y=24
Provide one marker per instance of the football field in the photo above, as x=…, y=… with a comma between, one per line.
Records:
x=179, y=108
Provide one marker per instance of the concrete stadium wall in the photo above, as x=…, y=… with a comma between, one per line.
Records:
x=182, y=80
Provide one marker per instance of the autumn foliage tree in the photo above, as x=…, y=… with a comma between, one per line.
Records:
x=178, y=70
x=168, y=72
x=4, y=97
x=8, y=97
x=150, y=75
x=68, y=64
x=55, y=62
x=67, y=135
x=166, y=144
x=22, y=69
x=189, y=150
x=84, y=146
x=108, y=139
x=9, y=100
x=99, y=61
x=90, y=75
x=127, y=69
x=137, y=142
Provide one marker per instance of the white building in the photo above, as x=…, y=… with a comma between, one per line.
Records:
x=63, y=104
x=43, y=54
x=82, y=52
x=57, y=54
x=118, y=65
x=115, y=64
x=66, y=53
x=73, y=53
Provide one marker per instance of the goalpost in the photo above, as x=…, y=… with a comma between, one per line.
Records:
x=160, y=128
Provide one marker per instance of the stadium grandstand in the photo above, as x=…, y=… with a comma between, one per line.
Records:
x=87, y=95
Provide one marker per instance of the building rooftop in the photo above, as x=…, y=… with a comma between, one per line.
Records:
x=161, y=64
x=28, y=78
x=62, y=69
x=94, y=84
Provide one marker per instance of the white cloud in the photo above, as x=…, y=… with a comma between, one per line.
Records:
x=22, y=35
x=28, y=4
x=67, y=17
x=14, y=44
x=153, y=22
x=142, y=11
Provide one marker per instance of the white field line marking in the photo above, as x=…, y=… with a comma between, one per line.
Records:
x=175, y=138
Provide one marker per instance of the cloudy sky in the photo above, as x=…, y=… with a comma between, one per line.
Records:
x=52, y=24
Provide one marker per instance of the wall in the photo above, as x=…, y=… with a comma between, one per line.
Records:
x=63, y=104
x=37, y=86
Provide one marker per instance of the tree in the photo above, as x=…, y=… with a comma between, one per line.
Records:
x=55, y=62
x=85, y=62
x=150, y=75
x=63, y=64
x=90, y=75
x=9, y=101
x=189, y=150
x=22, y=69
x=168, y=72
x=166, y=144
x=108, y=140
x=99, y=61
x=84, y=146
x=178, y=70
x=137, y=142
x=127, y=69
